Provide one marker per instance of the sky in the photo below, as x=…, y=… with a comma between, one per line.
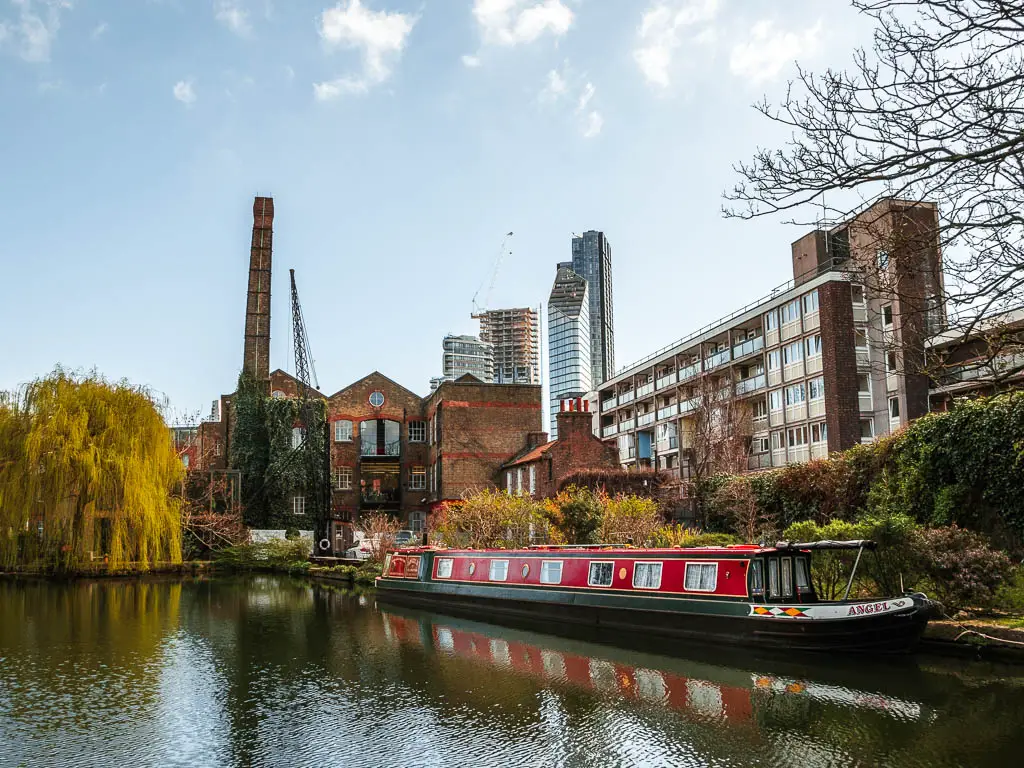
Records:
x=401, y=140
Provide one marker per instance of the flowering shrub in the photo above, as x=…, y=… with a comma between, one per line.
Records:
x=961, y=568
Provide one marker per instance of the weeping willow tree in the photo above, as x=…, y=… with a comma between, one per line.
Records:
x=87, y=474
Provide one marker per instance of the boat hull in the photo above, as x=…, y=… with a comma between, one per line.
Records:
x=704, y=621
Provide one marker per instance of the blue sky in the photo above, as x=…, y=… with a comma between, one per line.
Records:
x=401, y=139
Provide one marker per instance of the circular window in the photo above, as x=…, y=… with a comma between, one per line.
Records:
x=377, y=399
x=526, y=570
x=472, y=568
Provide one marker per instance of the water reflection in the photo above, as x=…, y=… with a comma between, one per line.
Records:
x=278, y=672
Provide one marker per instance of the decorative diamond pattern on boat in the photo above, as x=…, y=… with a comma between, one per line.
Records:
x=776, y=611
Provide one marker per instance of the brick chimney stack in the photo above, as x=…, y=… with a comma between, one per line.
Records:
x=256, y=353
x=575, y=421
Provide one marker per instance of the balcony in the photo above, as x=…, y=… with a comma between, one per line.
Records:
x=689, y=372
x=370, y=497
x=717, y=359
x=611, y=402
x=668, y=444
x=645, y=419
x=394, y=448
x=626, y=397
x=748, y=347
x=668, y=411
x=760, y=423
x=666, y=381
x=627, y=425
x=645, y=390
x=610, y=431
x=753, y=384
x=759, y=461
x=688, y=405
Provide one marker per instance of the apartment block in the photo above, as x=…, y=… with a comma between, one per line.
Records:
x=818, y=365
x=514, y=336
x=467, y=354
x=592, y=260
x=569, y=341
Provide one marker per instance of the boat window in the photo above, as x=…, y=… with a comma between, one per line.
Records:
x=787, y=577
x=444, y=568
x=701, y=577
x=551, y=572
x=647, y=575
x=601, y=574
x=757, y=577
x=773, y=577
x=802, y=581
x=387, y=563
x=499, y=570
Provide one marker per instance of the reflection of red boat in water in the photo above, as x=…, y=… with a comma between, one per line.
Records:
x=699, y=690
x=750, y=595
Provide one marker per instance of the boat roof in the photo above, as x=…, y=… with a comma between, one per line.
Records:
x=733, y=550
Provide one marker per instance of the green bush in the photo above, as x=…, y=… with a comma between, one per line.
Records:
x=961, y=568
x=678, y=536
x=274, y=555
x=1010, y=594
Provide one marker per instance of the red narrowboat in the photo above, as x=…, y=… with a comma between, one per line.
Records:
x=743, y=594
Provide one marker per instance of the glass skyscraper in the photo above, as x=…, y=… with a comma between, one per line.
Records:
x=569, y=353
x=592, y=260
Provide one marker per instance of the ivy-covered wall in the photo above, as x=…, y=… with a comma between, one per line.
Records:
x=964, y=467
x=272, y=471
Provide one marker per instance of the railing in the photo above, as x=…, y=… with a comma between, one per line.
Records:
x=645, y=419
x=717, y=359
x=610, y=430
x=380, y=497
x=645, y=390
x=625, y=426
x=689, y=405
x=826, y=266
x=666, y=380
x=748, y=347
x=760, y=423
x=689, y=372
x=393, y=448
x=1000, y=366
x=668, y=411
x=626, y=397
x=611, y=402
x=752, y=384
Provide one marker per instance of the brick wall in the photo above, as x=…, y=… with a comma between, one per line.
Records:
x=839, y=365
x=808, y=253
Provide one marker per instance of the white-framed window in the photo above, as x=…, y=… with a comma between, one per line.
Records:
x=819, y=433
x=508, y=481
x=887, y=315
x=701, y=577
x=771, y=320
x=857, y=294
x=646, y=575
x=519, y=480
x=817, y=388
x=774, y=360
x=882, y=260
x=797, y=436
x=296, y=437
x=791, y=311
x=418, y=479
x=498, y=570
x=758, y=410
x=417, y=431
x=793, y=353
x=860, y=338
x=894, y=407
x=551, y=572
x=777, y=443
x=775, y=400
x=890, y=362
x=813, y=344
x=533, y=479
x=811, y=302
x=444, y=567
x=796, y=394
x=867, y=429
x=600, y=573
x=342, y=478
x=343, y=431
x=863, y=384
x=759, y=445
x=298, y=505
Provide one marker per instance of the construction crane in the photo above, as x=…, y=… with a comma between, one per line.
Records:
x=316, y=460
x=479, y=308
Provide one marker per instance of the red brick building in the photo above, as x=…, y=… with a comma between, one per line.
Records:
x=540, y=468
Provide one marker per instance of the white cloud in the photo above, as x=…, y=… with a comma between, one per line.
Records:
x=233, y=15
x=184, y=92
x=511, y=22
x=585, y=97
x=31, y=36
x=471, y=61
x=99, y=30
x=593, y=125
x=768, y=50
x=554, y=88
x=662, y=28
x=380, y=36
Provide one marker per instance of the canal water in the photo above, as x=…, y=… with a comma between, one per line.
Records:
x=268, y=671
